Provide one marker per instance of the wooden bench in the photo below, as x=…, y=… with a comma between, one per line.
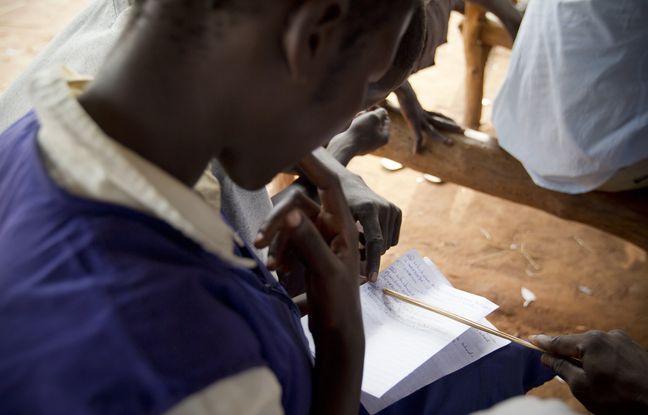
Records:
x=485, y=167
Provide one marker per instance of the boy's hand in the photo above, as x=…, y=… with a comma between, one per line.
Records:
x=380, y=219
x=325, y=240
x=613, y=378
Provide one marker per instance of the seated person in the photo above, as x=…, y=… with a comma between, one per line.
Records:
x=122, y=292
x=574, y=108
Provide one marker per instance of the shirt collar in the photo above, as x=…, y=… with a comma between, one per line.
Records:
x=85, y=161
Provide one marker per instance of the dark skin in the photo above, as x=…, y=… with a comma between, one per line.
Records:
x=613, y=377
x=421, y=122
x=368, y=131
x=380, y=219
x=324, y=236
x=159, y=94
x=431, y=124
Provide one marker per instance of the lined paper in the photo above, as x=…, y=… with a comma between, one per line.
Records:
x=408, y=347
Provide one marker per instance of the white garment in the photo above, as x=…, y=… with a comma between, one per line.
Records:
x=528, y=405
x=574, y=107
x=252, y=392
x=82, y=45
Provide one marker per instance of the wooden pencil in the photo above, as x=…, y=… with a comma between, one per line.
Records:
x=460, y=319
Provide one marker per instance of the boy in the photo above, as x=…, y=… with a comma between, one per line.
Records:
x=127, y=296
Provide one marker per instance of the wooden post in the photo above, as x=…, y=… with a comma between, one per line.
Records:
x=475, y=17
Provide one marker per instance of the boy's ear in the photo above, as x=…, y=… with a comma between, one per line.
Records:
x=314, y=28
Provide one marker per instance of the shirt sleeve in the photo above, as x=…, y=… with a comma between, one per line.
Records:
x=528, y=405
x=255, y=391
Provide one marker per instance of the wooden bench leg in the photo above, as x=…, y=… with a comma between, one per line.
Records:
x=476, y=55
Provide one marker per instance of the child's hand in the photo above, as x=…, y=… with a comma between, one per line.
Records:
x=324, y=238
x=614, y=376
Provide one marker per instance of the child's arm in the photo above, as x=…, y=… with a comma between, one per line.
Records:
x=325, y=241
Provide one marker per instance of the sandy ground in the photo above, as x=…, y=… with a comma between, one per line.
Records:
x=583, y=278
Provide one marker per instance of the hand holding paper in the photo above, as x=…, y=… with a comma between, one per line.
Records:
x=407, y=347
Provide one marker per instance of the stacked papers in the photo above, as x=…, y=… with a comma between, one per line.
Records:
x=407, y=347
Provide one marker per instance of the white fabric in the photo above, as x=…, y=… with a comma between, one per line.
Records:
x=88, y=163
x=528, y=405
x=253, y=392
x=574, y=106
x=82, y=45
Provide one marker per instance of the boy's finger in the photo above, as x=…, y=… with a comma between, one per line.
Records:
x=569, y=345
x=374, y=247
x=309, y=245
x=397, y=227
x=563, y=368
x=277, y=251
x=386, y=225
x=275, y=221
x=328, y=184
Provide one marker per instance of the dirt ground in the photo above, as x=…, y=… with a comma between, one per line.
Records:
x=582, y=277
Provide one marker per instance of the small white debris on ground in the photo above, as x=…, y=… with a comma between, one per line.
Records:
x=486, y=234
x=529, y=258
x=528, y=296
x=477, y=135
x=12, y=52
x=585, y=290
x=390, y=165
x=432, y=179
x=582, y=244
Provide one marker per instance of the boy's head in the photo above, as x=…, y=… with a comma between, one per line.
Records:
x=406, y=60
x=269, y=81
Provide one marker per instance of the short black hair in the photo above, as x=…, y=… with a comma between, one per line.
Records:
x=409, y=51
x=364, y=17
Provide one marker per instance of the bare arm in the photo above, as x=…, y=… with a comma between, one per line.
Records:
x=324, y=240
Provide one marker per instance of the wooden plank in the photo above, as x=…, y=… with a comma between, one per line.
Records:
x=485, y=167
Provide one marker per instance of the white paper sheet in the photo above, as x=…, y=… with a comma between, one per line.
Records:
x=471, y=346
x=400, y=338
x=464, y=350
